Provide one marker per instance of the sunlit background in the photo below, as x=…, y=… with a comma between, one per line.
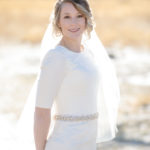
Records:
x=124, y=28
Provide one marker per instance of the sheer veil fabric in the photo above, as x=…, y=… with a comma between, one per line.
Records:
x=109, y=93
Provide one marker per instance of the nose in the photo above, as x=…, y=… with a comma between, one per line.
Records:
x=73, y=21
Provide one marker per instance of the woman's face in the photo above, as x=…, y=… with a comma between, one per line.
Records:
x=72, y=22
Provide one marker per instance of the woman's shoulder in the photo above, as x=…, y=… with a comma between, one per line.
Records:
x=53, y=56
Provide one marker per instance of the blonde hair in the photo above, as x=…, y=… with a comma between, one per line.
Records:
x=82, y=6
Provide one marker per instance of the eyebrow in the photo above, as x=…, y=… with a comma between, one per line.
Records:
x=69, y=13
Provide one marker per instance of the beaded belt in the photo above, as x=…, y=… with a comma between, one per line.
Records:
x=76, y=118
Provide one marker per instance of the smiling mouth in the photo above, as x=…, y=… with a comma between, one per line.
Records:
x=74, y=30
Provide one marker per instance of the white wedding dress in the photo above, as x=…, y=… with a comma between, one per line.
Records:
x=69, y=82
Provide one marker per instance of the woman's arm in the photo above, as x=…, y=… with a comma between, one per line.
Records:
x=41, y=127
x=49, y=79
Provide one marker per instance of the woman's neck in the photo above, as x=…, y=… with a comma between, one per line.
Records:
x=72, y=45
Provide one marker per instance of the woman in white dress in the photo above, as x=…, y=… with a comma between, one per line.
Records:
x=77, y=79
x=67, y=75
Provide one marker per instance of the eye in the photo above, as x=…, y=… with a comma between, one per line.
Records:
x=80, y=16
x=67, y=17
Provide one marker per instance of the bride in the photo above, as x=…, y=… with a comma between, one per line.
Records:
x=77, y=80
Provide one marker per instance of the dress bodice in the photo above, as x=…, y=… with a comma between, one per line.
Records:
x=69, y=80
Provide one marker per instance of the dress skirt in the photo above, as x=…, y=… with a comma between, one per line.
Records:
x=73, y=135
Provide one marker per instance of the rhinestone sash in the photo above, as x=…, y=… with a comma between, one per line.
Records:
x=76, y=118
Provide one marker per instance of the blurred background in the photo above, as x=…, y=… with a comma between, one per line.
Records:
x=124, y=28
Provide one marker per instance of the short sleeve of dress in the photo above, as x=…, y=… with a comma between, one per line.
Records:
x=50, y=77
